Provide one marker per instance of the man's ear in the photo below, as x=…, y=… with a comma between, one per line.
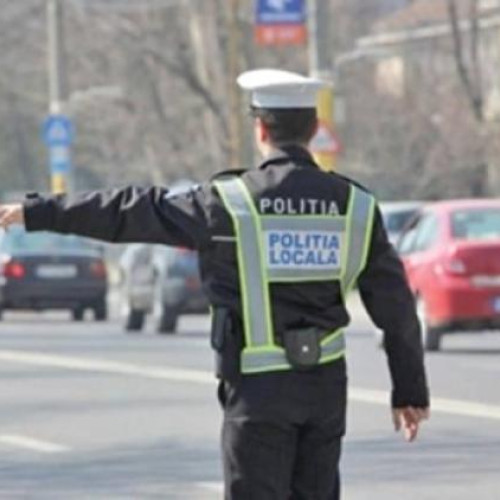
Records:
x=316, y=127
x=261, y=130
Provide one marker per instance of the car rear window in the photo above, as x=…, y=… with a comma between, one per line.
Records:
x=18, y=240
x=395, y=221
x=476, y=224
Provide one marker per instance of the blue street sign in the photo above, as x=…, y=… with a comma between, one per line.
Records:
x=57, y=131
x=60, y=160
x=281, y=11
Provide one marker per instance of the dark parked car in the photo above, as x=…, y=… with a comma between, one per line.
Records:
x=43, y=270
x=163, y=281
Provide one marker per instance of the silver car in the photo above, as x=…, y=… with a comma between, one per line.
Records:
x=396, y=214
x=163, y=281
x=137, y=277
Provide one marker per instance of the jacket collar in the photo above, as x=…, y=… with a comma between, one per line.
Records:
x=289, y=154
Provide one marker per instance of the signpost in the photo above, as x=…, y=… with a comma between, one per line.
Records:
x=325, y=141
x=58, y=136
x=280, y=22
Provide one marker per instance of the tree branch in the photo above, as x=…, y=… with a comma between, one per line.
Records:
x=464, y=74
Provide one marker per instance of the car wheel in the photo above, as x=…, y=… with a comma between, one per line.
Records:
x=78, y=314
x=1, y=314
x=101, y=311
x=135, y=320
x=431, y=337
x=167, y=321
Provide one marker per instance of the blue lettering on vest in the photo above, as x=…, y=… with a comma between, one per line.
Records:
x=333, y=243
x=310, y=259
x=297, y=242
x=332, y=258
x=316, y=240
x=287, y=240
x=273, y=239
x=273, y=258
x=286, y=257
x=298, y=257
x=303, y=249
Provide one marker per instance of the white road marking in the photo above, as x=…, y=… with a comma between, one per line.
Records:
x=104, y=366
x=32, y=444
x=372, y=396
x=438, y=405
x=217, y=487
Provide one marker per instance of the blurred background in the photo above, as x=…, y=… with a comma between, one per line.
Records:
x=416, y=84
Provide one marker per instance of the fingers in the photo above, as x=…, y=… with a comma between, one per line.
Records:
x=396, y=419
x=411, y=426
x=408, y=419
x=425, y=413
x=11, y=214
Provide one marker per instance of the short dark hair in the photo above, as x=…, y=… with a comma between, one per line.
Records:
x=289, y=125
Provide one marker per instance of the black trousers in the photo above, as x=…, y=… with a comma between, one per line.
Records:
x=282, y=434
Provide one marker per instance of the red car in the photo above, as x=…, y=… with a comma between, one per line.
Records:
x=451, y=253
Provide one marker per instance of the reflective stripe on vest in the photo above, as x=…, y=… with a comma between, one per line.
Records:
x=346, y=239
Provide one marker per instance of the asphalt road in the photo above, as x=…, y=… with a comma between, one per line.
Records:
x=88, y=412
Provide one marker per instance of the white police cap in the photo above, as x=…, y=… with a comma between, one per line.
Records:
x=273, y=88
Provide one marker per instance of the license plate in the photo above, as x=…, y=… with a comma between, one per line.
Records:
x=496, y=304
x=486, y=281
x=56, y=271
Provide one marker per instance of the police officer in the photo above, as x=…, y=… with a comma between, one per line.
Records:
x=280, y=248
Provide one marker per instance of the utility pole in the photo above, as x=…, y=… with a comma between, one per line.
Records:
x=57, y=84
x=59, y=150
x=233, y=58
x=320, y=66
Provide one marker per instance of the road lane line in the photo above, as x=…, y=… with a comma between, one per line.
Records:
x=32, y=444
x=372, y=396
x=215, y=486
x=104, y=366
x=438, y=405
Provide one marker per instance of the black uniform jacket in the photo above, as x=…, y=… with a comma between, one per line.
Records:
x=287, y=182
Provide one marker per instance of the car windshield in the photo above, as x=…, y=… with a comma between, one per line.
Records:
x=476, y=224
x=395, y=221
x=18, y=240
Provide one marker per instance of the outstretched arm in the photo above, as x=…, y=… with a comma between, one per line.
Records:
x=131, y=214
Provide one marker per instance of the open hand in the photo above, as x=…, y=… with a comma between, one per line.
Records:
x=408, y=419
x=11, y=214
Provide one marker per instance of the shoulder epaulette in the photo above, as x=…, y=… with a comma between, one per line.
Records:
x=352, y=181
x=227, y=174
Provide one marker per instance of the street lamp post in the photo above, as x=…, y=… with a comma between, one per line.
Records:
x=233, y=55
x=57, y=80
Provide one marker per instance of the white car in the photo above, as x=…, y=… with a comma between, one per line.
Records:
x=137, y=284
x=160, y=280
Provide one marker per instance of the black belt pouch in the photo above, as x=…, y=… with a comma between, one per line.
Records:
x=303, y=347
x=227, y=344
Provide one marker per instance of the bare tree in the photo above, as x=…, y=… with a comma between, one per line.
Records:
x=467, y=44
x=467, y=56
